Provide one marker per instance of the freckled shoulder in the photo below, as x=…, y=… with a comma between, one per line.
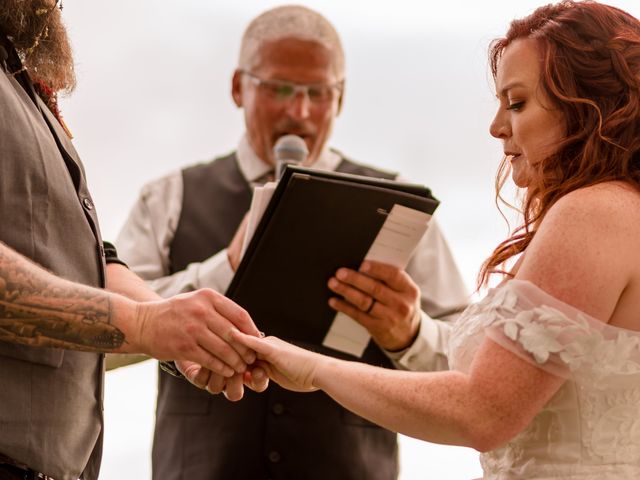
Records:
x=587, y=246
x=607, y=209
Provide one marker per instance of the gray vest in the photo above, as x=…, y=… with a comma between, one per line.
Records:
x=273, y=435
x=50, y=399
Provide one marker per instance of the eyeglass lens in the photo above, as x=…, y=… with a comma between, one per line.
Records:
x=285, y=91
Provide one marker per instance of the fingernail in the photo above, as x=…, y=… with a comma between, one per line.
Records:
x=333, y=283
x=341, y=274
x=332, y=302
x=365, y=267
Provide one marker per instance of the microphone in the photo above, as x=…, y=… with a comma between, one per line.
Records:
x=289, y=150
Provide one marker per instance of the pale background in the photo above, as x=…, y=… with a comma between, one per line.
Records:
x=153, y=95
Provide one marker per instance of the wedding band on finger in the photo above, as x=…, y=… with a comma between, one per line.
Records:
x=373, y=302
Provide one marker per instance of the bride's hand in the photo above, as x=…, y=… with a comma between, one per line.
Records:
x=289, y=366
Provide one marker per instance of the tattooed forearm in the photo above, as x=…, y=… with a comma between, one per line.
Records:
x=39, y=309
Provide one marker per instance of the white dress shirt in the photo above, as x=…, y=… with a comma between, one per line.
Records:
x=145, y=240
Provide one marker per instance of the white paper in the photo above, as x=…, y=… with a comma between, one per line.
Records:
x=261, y=197
x=395, y=243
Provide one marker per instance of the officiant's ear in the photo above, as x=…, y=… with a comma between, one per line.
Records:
x=236, y=88
x=340, y=98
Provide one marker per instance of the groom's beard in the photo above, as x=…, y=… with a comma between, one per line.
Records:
x=36, y=30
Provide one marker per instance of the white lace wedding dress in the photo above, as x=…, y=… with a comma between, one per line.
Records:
x=590, y=429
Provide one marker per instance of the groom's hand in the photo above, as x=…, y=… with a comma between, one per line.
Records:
x=254, y=378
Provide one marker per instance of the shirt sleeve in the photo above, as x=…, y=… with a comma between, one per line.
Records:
x=428, y=350
x=443, y=297
x=145, y=240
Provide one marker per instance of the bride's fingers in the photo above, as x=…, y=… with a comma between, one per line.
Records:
x=262, y=346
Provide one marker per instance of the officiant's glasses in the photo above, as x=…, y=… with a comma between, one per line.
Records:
x=283, y=91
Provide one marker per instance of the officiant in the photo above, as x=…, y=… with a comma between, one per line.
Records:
x=290, y=79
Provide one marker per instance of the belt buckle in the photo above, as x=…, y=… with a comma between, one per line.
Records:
x=28, y=474
x=38, y=476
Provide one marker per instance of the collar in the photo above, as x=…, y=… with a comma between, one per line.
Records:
x=253, y=167
x=10, y=62
x=4, y=56
x=4, y=51
x=9, y=59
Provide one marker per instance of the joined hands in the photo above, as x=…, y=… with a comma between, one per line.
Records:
x=381, y=297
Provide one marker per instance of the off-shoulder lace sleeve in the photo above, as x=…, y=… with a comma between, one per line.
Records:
x=555, y=336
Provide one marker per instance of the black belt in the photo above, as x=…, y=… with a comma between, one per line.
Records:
x=18, y=470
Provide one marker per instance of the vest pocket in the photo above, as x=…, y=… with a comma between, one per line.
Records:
x=178, y=396
x=50, y=357
x=189, y=405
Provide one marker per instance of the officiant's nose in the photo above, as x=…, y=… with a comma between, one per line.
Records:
x=299, y=106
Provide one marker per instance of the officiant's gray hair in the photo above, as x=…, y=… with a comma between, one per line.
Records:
x=290, y=21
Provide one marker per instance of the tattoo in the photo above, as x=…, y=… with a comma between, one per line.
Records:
x=40, y=309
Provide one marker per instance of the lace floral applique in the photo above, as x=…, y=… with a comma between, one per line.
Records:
x=548, y=335
x=544, y=330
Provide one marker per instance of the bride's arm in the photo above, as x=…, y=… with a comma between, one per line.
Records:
x=497, y=399
x=484, y=409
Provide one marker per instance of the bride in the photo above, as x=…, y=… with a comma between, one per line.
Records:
x=545, y=370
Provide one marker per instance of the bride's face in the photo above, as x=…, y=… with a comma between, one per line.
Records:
x=528, y=124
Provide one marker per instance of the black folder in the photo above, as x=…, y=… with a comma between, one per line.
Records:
x=316, y=222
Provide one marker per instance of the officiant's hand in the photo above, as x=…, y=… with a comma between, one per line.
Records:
x=234, y=250
x=383, y=298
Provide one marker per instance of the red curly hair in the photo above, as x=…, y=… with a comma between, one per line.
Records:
x=591, y=72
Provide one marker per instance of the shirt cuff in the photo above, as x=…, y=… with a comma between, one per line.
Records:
x=111, y=254
x=170, y=368
x=215, y=272
x=427, y=353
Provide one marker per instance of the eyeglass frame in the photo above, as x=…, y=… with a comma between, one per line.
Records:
x=297, y=88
